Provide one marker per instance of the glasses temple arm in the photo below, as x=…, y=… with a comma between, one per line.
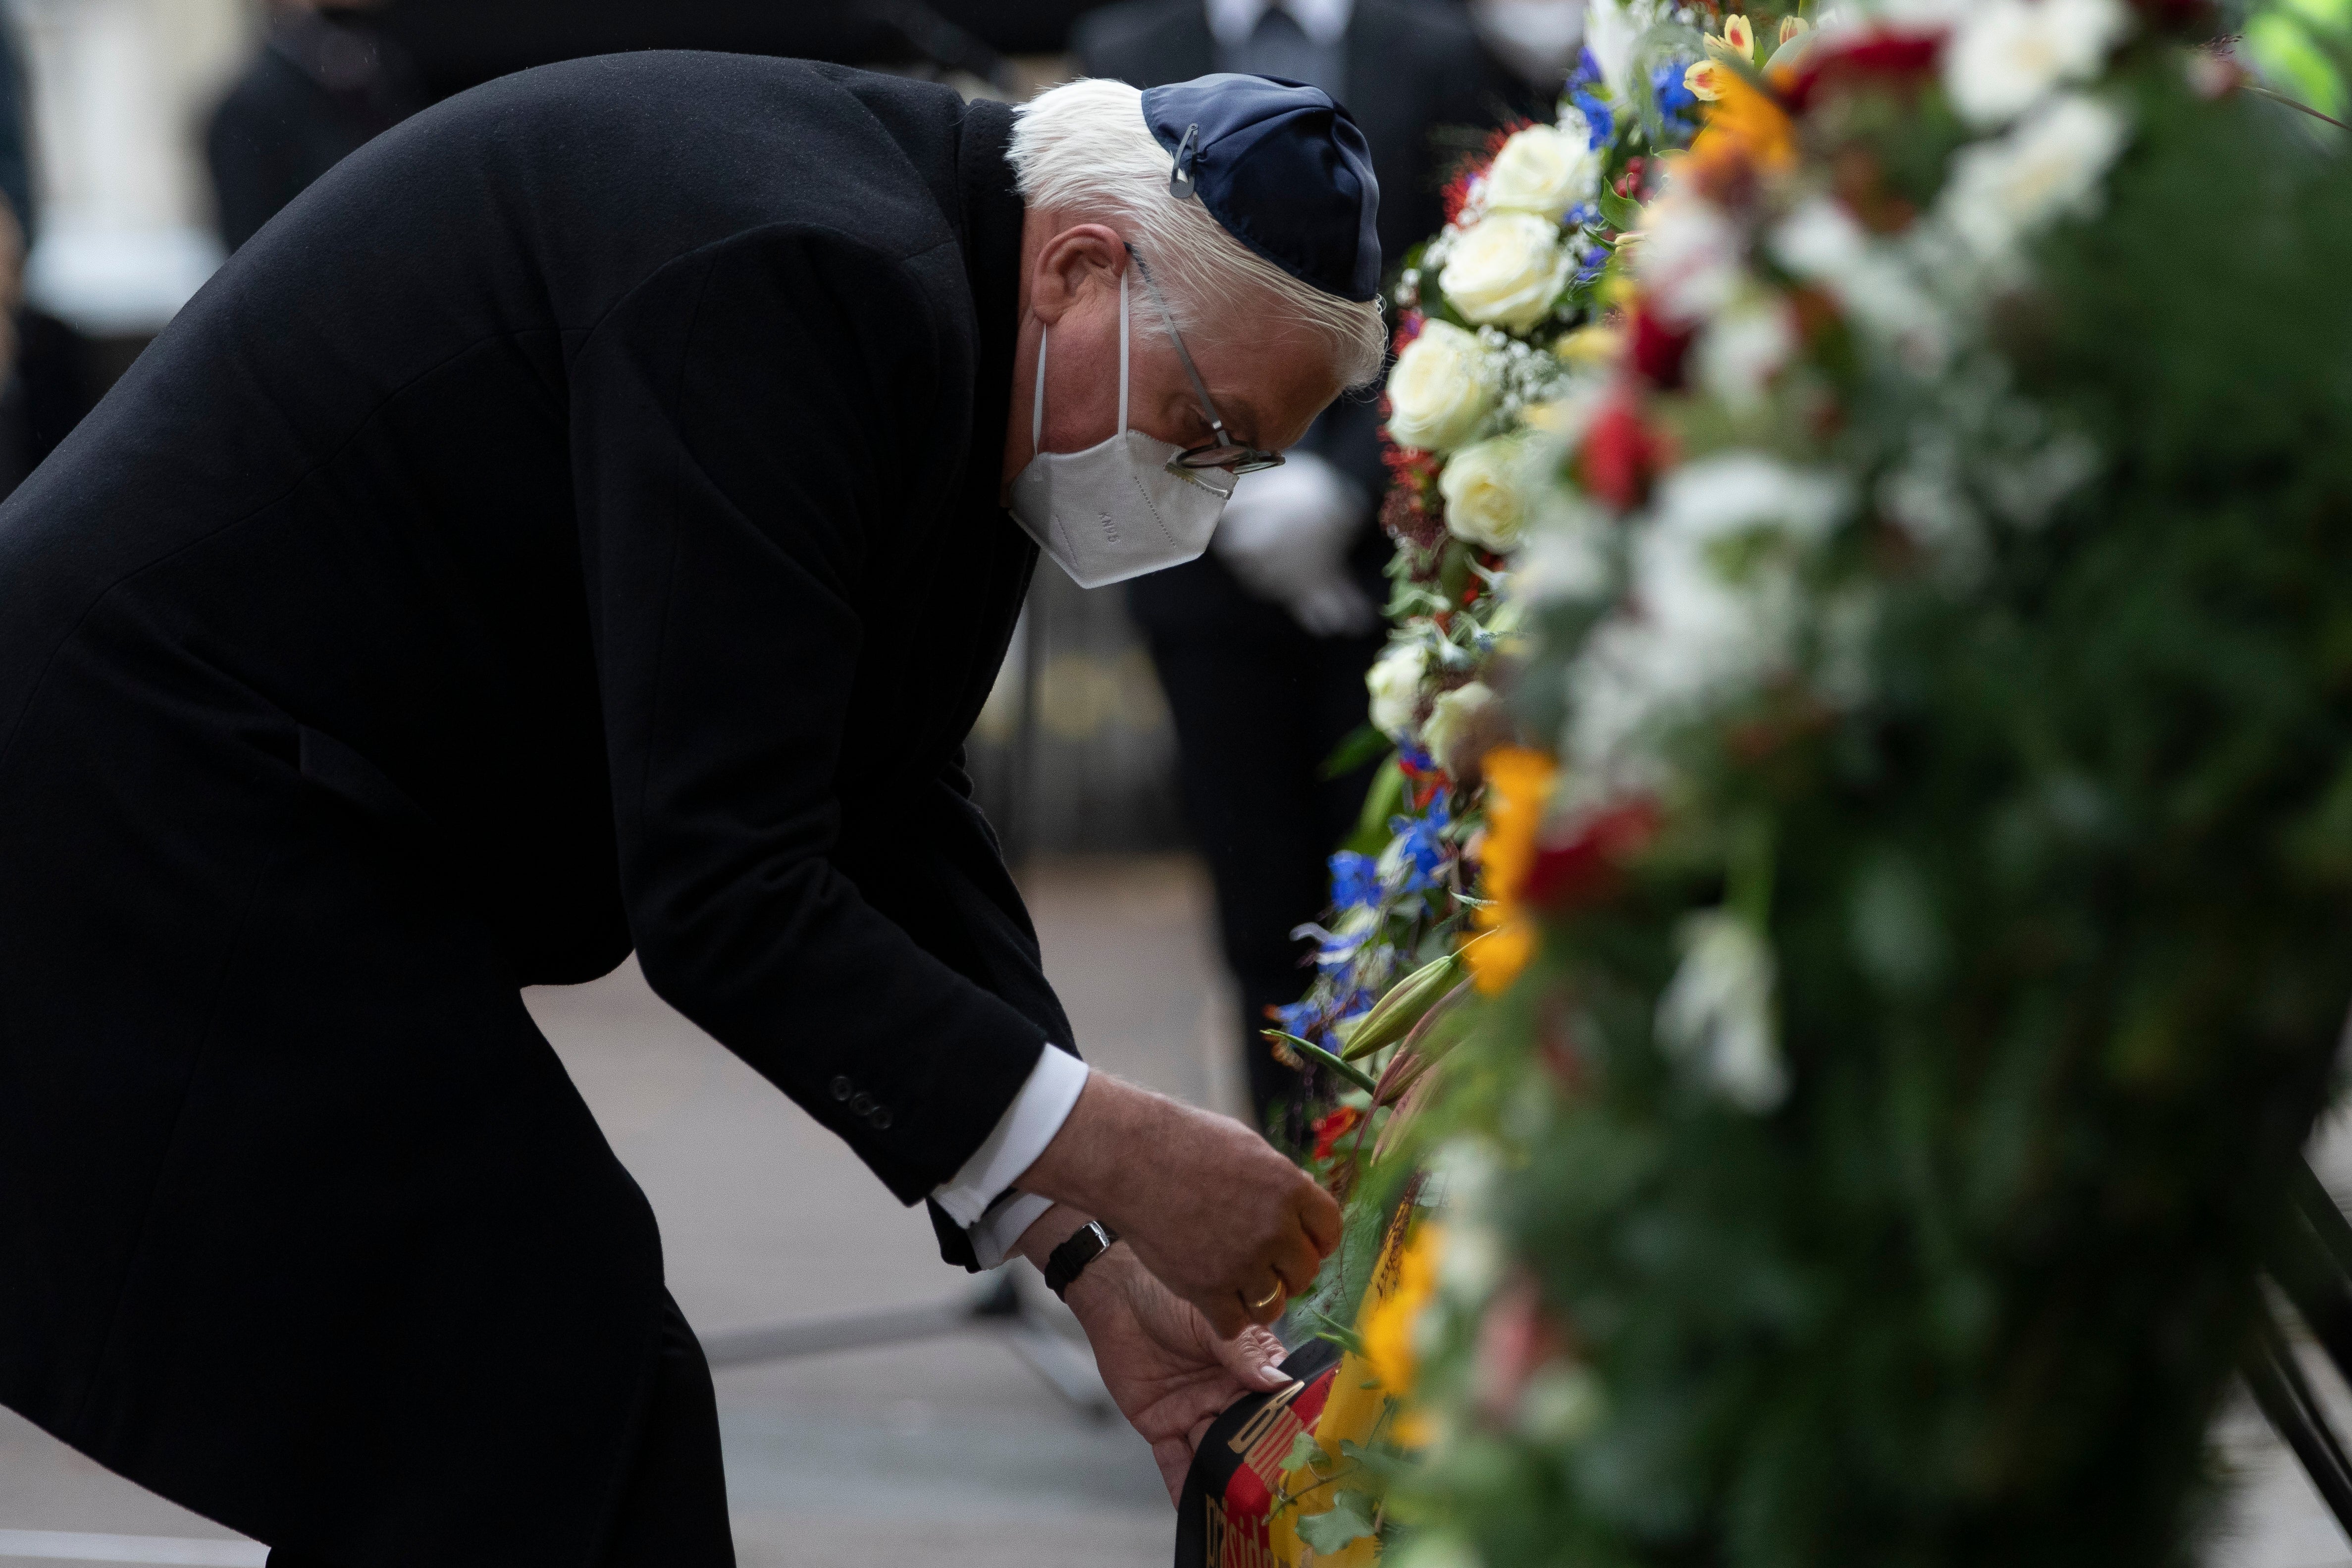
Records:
x=1200, y=389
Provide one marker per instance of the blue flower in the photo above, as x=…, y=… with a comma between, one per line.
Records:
x=1423, y=850
x=1583, y=214
x=1416, y=759
x=1592, y=265
x=1587, y=74
x=1355, y=880
x=1302, y=1019
x=1675, y=102
x=1598, y=115
x=1333, y=951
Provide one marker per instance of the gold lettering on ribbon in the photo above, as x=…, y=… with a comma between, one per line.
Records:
x=1268, y=1414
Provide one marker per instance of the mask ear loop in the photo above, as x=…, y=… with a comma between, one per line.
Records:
x=1037, y=403
x=1122, y=345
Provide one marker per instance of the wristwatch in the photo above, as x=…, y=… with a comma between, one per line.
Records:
x=1069, y=1260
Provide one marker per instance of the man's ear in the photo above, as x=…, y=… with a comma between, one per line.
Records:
x=1072, y=263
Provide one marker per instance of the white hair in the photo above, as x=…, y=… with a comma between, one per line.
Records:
x=1084, y=151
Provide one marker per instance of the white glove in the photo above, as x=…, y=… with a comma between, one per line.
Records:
x=1285, y=534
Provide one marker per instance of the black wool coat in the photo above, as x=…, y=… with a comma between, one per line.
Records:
x=570, y=527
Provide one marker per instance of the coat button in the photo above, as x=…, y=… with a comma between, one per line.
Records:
x=880, y=1120
x=861, y=1105
x=842, y=1089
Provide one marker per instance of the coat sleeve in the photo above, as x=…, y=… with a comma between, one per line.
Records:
x=751, y=429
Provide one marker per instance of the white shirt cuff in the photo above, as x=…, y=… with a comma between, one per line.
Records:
x=1001, y=1228
x=1028, y=1124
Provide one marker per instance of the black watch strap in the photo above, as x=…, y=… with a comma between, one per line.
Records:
x=1069, y=1260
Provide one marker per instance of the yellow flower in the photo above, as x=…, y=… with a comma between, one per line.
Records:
x=1519, y=785
x=1704, y=80
x=1746, y=123
x=1388, y=1328
x=1594, y=345
x=1495, y=962
x=1740, y=34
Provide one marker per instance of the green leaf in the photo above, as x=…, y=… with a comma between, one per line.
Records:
x=1327, y=1327
x=1305, y=1450
x=1323, y=1058
x=1365, y=744
x=1381, y=802
x=1349, y=1519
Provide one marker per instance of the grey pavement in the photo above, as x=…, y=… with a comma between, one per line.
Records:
x=951, y=1451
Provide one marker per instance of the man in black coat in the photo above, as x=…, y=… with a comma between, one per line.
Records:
x=1262, y=644
x=577, y=525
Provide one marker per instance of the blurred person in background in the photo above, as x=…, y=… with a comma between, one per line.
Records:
x=18, y=450
x=590, y=520
x=327, y=81
x=1538, y=41
x=1262, y=644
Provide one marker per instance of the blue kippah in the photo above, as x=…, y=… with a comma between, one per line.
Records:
x=1283, y=168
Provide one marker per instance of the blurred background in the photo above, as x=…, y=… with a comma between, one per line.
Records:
x=1153, y=757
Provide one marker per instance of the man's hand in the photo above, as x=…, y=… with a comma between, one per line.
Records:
x=1207, y=1204
x=1167, y=1370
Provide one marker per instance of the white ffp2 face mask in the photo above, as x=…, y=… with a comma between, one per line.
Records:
x=1122, y=507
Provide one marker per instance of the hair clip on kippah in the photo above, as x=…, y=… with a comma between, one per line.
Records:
x=1181, y=183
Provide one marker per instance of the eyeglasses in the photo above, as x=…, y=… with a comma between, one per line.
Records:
x=1224, y=451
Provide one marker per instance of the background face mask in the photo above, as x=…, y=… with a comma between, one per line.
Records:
x=1537, y=38
x=1122, y=507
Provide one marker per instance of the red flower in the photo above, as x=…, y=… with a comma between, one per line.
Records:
x=1584, y=870
x=1898, y=57
x=1334, y=1127
x=1423, y=783
x=1516, y=1339
x=1457, y=189
x=1659, y=350
x=1621, y=456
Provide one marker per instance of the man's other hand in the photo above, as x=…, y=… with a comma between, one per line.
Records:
x=1285, y=536
x=1207, y=1204
x=1167, y=1371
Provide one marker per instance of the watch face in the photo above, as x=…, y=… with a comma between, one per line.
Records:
x=1227, y=1517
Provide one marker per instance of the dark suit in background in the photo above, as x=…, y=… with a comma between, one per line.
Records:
x=1260, y=703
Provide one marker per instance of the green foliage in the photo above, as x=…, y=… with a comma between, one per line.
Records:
x=1349, y=1518
x=2063, y=911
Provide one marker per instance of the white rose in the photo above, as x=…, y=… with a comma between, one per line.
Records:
x=1717, y=1016
x=1437, y=393
x=1394, y=681
x=1543, y=170
x=1483, y=502
x=1506, y=271
x=1701, y=635
x=2010, y=54
x=1464, y=725
x=1871, y=280
x=1746, y=345
x=2002, y=193
x=1691, y=258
